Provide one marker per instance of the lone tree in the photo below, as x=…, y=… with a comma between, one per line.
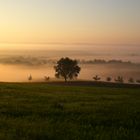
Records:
x=46, y=78
x=67, y=68
x=30, y=78
x=108, y=79
x=119, y=79
x=96, y=78
x=131, y=80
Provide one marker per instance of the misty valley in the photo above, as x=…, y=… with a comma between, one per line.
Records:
x=16, y=66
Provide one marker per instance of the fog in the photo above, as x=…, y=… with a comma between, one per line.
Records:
x=16, y=66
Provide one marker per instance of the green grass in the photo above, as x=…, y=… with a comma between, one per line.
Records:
x=49, y=112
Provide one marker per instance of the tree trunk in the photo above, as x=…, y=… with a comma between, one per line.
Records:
x=65, y=79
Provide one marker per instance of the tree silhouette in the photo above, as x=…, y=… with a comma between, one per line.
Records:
x=119, y=79
x=131, y=80
x=67, y=68
x=108, y=79
x=138, y=81
x=96, y=78
x=47, y=78
x=30, y=78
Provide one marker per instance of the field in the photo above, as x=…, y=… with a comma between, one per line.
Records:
x=40, y=111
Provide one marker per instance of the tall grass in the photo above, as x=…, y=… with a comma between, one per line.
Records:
x=47, y=112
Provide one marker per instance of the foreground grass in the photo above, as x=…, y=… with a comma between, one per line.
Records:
x=51, y=112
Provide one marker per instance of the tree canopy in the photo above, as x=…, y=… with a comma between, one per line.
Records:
x=67, y=68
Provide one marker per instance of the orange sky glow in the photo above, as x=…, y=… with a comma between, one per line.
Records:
x=68, y=22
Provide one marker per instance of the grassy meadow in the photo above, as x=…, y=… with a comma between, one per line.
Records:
x=40, y=111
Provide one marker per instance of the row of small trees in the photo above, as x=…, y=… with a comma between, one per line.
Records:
x=68, y=69
x=118, y=79
x=96, y=78
x=46, y=78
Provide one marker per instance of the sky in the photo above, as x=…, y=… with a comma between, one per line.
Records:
x=33, y=22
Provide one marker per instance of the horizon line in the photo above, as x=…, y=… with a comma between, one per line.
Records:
x=73, y=43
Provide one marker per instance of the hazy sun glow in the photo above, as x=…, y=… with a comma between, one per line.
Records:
x=69, y=21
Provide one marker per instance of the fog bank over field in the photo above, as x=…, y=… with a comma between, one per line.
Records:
x=101, y=53
x=16, y=66
x=42, y=61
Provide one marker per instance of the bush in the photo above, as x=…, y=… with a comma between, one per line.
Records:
x=119, y=79
x=108, y=79
x=97, y=78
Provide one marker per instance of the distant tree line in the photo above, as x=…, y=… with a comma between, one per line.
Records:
x=38, y=61
x=102, y=61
